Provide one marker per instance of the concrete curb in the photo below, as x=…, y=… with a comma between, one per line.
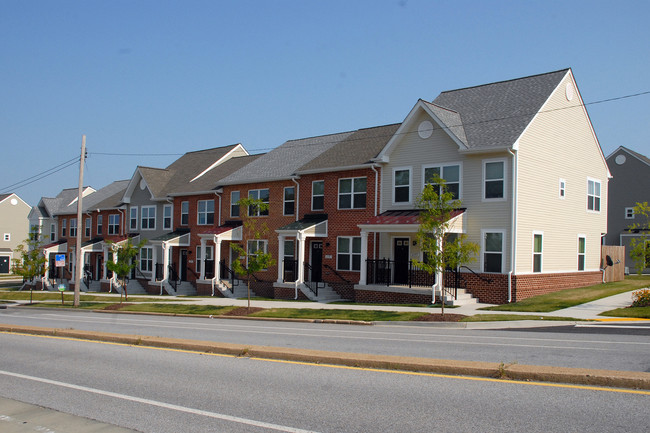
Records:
x=610, y=378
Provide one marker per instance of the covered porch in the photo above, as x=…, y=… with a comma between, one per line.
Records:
x=213, y=268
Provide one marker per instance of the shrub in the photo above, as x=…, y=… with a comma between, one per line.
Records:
x=641, y=298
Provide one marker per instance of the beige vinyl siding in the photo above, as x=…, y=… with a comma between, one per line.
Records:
x=559, y=144
x=414, y=152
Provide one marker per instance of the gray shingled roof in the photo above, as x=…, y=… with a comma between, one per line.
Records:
x=109, y=197
x=283, y=161
x=156, y=179
x=4, y=196
x=358, y=148
x=637, y=154
x=496, y=114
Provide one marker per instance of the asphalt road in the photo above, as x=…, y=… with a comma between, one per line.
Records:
x=155, y=390
x=595, y=347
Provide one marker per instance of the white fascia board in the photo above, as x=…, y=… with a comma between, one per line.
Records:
x=334, y=169
x=181, y=194
x=218, y=162
x=135, y=179
x=389, y=228
x=249, y=181
x=488, y=150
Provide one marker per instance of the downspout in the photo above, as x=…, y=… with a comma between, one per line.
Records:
x=374, y=234
x=513, y=222
x=297, y=196
x=123, y=225
x=219, y=221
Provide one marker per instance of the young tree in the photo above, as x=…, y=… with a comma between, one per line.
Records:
x=437, y=206
x=31, y=263
x=125, y=261
x=252, y=259
x=640, y=246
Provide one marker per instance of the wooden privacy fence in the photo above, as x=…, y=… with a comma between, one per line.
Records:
x=615, y=271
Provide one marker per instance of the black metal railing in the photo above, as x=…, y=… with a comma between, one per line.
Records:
x=173, y=277
x=159, y=271
x=388, y=272
x=312, y=283
x=88, y=275
x=209, y=269
x=228, y=274
x=139, y=275
x=335, y=272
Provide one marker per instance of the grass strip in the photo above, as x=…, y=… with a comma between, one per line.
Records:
x=513, y=317
x=572, y=297
x=69, y=296
x=363, y=315
x=177, y=309
x=632, y=312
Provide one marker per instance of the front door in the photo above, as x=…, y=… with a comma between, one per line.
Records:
x=316, y=261
x=100, y=267
x=401, y=254
x=183, y=269
x=4, y=264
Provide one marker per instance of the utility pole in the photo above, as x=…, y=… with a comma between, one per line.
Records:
x=80, y=225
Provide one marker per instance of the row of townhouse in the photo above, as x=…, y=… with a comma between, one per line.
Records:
x=342, y=218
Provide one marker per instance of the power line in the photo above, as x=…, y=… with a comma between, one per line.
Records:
x=42, y=174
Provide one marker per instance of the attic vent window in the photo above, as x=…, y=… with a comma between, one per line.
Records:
x=569, y=92
x=143, y=184
x=425, y=129
x=620, y=159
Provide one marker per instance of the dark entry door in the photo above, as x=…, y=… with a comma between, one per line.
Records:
x=4, y=264
x=316, y=261
x=183, y=270
x=401, y=251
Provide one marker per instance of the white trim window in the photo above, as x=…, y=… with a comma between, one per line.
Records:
x=352, y=193
x=53, y=230
x=258, y=194
x=318, y=195
x=493, y=250
x=7, y=237
x=451, y=173
x=100, y=224
x=629, y=213
x=73, y=227
x=168, y=217
x=148, y=217
x=87, y=226
x=63, y=228
x=185, y=213
x=133, y=218
x=255, y=247
x=582, y=252
x=205, y=212
x=113, y=224
x=289, y=205
x=348, y=253
x=593, y=195
x=494, y=179
x=402, y=185
x=209, y=251
x=562, y=189
x=538, y=240
x=234, y=203
x=146, y=259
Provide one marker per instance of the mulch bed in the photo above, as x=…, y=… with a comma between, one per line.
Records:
x=440, y=318
x=243, y=311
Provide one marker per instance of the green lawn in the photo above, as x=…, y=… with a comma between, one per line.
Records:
x=632, y=312
x=69, y=296
x=572, y=297
x=364, y=315
x=511, y=317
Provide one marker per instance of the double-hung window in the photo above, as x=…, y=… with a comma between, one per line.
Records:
x=205, y=212
x=318, y=195
x=493, y=251
x=263, y=196
x=449, y=173
x=629, y=213
x=133, y=218
x=582, y=245
x=146, y=259
x=87, y=227
x=257, y=246
x=352, y=193
x=348, y=253
x=113, y=224
x=289, y=200
x=593, y=195
x=53, y=231
x=63, y=228
x=208, y=257
x=402, y=185
x=168, y=212
x=185, y=213
x=73, y=227
x=494, y=180
x=537, y=252
x=148, y=218
x=234, y=203
x=100, y=224
x=562, y=188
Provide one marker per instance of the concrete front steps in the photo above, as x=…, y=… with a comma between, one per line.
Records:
x=462, y=298
x=325, y=294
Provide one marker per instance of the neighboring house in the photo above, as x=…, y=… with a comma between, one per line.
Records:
x=524, y=159
x=630, y=185
x=14, y=228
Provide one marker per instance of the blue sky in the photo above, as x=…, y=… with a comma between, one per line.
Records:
x=156, y=77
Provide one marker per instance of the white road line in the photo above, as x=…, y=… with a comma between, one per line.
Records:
x=615, y=326
x=160, y=404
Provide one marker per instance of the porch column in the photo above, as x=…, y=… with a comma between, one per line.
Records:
x=217, y=258
x=46, y=266
x=105, y=258
x=114, y=261
x=73, y=261
x=281, y=239
x=363, y=275
x=165, y=253
x=301, y=257
x=203, y=244
x=154, y=260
